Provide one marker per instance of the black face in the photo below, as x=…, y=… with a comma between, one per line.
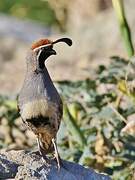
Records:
x=44, y=53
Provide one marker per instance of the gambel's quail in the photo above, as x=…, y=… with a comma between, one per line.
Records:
x=39, y=103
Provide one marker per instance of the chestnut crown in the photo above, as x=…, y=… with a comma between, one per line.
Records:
x=44, y=48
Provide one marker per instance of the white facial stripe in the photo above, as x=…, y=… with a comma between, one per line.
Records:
x=37, y=108
x=39, y=54
x=41, y=47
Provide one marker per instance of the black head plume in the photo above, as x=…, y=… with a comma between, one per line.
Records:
x=65, y=40
x=45, y=42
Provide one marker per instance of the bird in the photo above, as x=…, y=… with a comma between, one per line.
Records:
x=39, y=103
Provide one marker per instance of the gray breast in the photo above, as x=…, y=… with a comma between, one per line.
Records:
x=38, y=96
x=38, y=86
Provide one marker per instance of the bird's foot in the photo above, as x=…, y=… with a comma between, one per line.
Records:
x=59, y=162
x=45, y=159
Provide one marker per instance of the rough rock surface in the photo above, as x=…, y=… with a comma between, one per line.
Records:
x=94, y=41
x=29, y=165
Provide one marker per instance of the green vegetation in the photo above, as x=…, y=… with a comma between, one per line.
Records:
x=124, y=28
x=102, y=110
x=32, y=9
x=96, y=111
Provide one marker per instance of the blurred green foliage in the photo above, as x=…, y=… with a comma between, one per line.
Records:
x=95, y=112
x=103, y=109
x=124, y=27
x=32, y=9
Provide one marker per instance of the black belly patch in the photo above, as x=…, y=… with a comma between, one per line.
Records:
x=39, y=121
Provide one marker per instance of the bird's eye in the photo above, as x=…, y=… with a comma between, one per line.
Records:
x=47, y=47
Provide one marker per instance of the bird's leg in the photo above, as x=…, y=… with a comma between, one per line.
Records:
x=42, y=151
x=57, y=156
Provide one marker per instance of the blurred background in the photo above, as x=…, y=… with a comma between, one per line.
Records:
x=98, y=90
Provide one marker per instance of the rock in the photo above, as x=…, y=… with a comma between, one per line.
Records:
x=94, y=41
x=29, y=165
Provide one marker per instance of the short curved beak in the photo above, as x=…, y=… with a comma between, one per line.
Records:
x=52, y=51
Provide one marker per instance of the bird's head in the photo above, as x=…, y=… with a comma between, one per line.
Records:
x=43, y=48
